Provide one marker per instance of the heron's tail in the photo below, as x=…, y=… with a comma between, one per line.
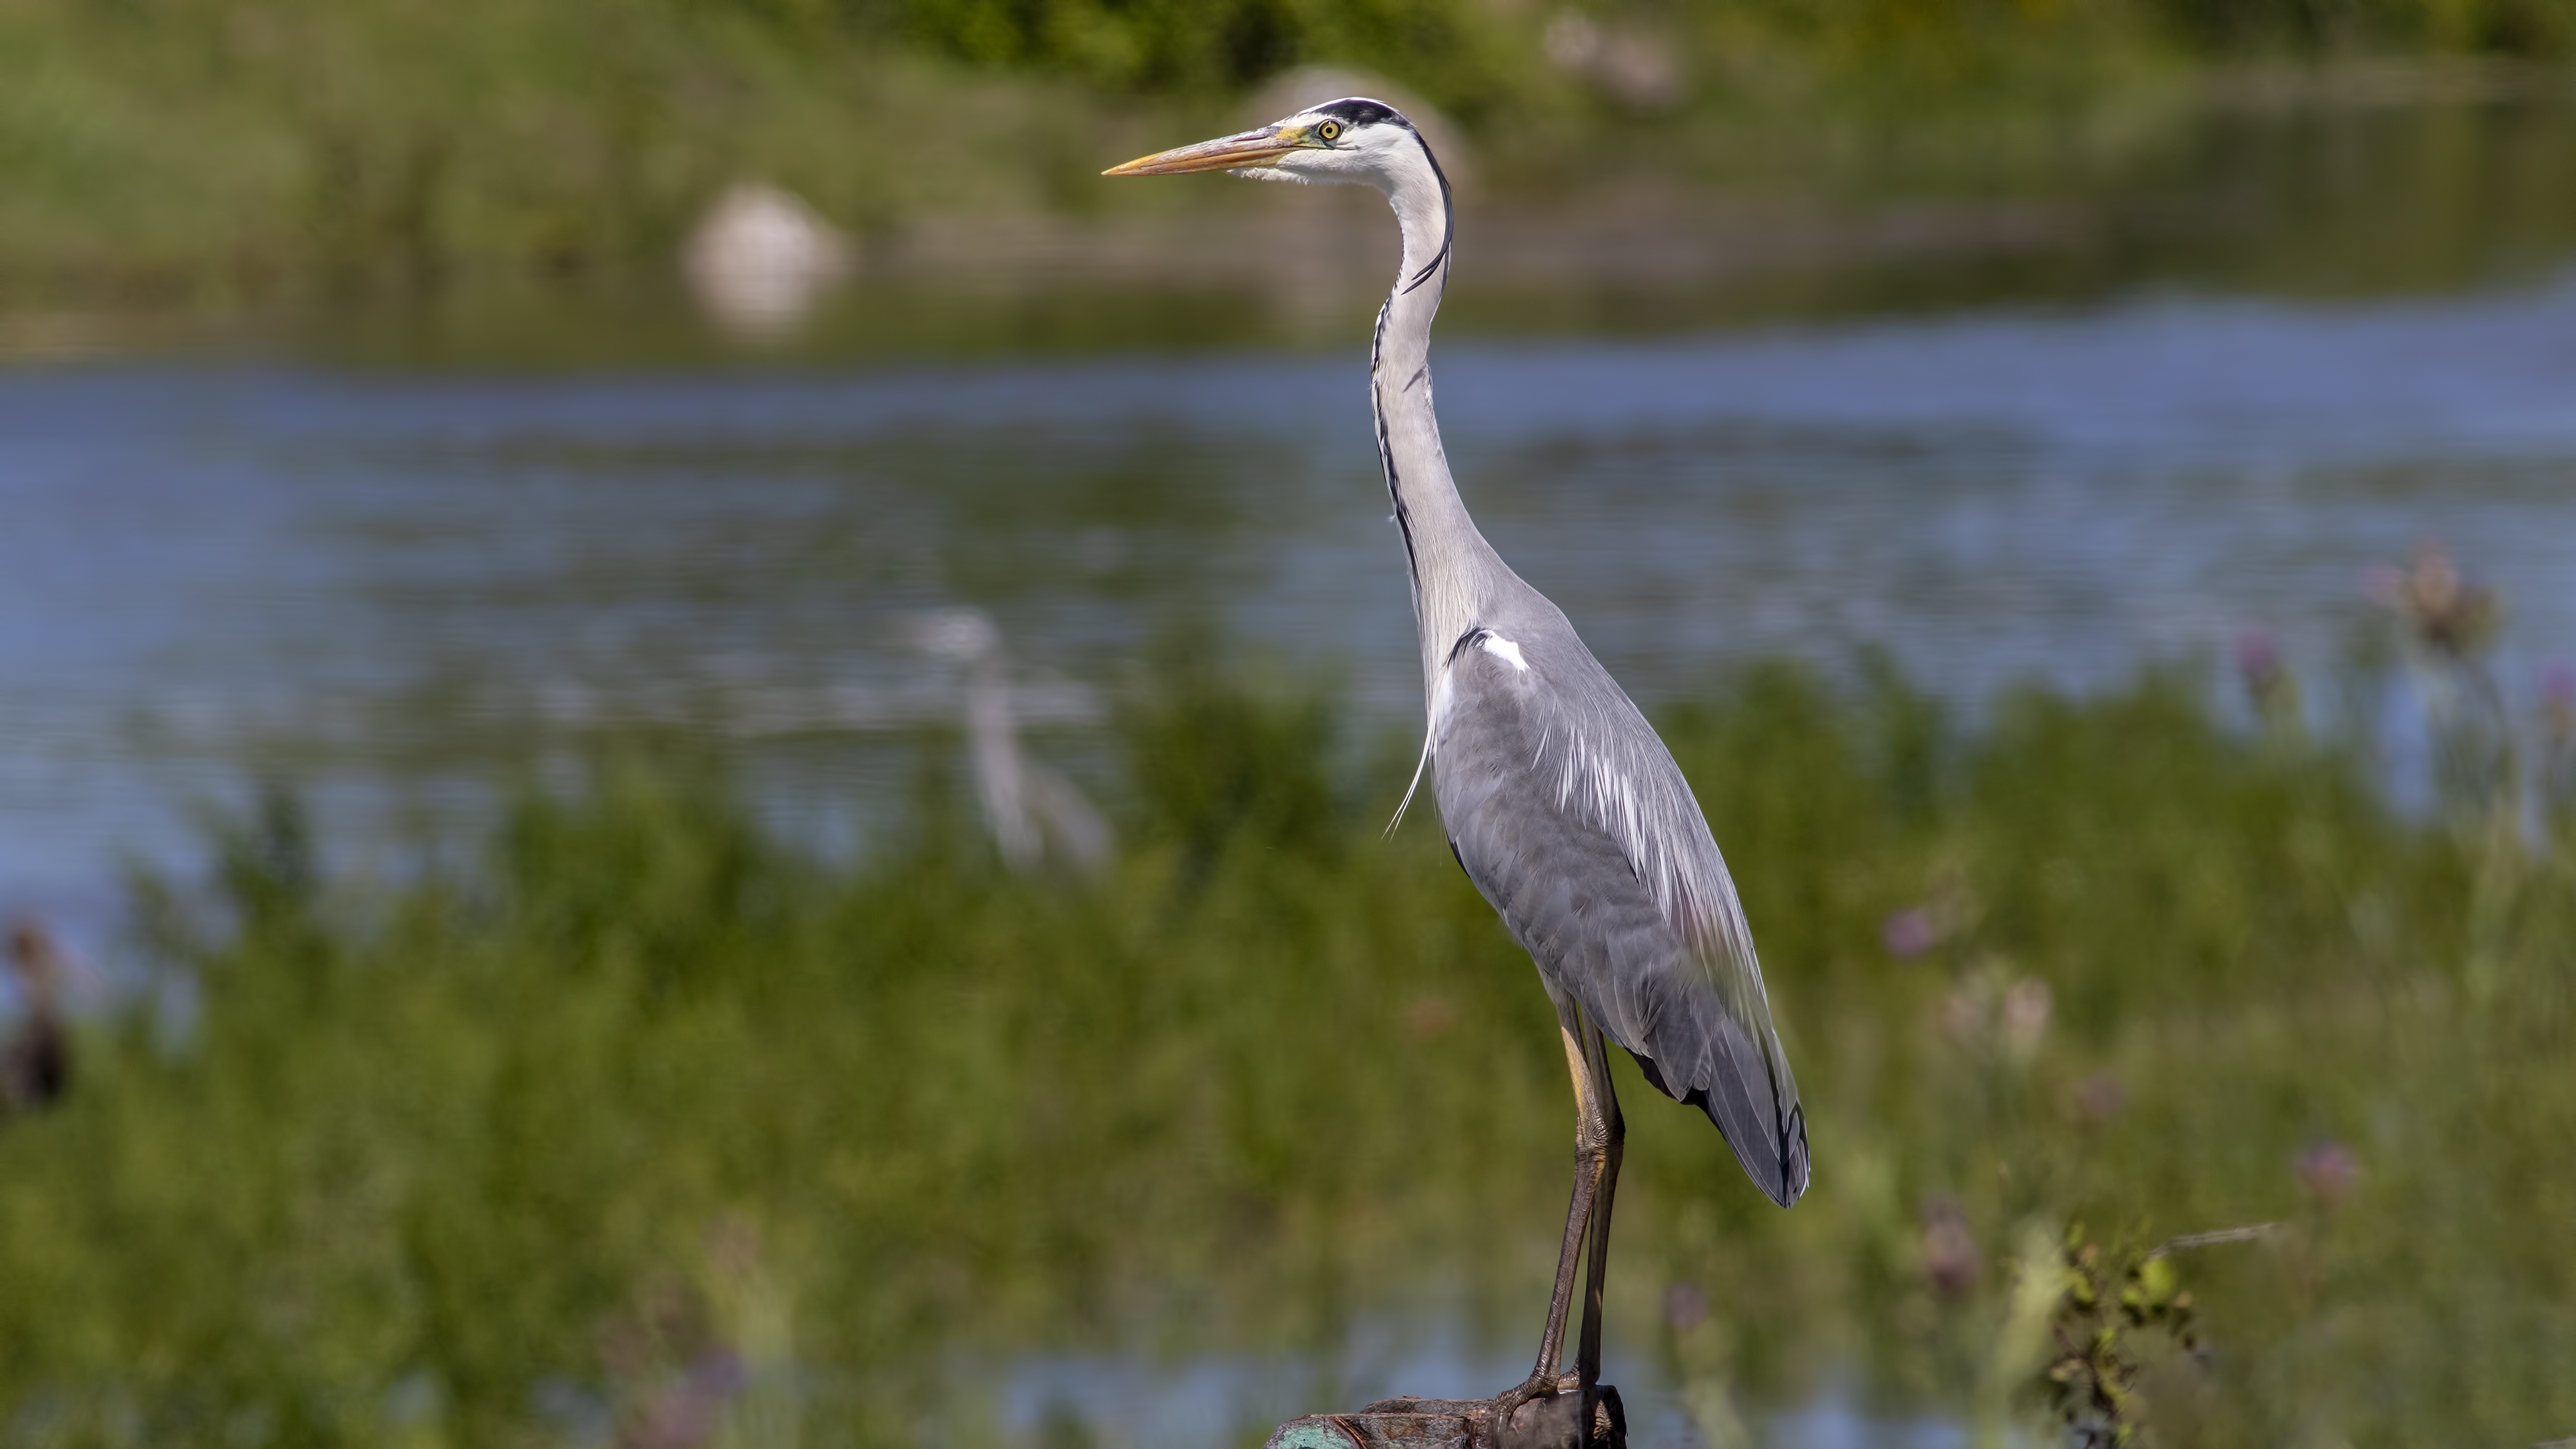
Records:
x=1748, y=1092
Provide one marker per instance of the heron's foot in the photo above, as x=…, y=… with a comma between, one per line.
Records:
x=1540, y=1414
x=1558, y=1413
x=1537, y=1386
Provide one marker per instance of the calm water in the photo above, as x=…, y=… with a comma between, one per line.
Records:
x=396, y=586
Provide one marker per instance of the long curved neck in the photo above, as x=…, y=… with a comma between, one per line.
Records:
x=1453, y=567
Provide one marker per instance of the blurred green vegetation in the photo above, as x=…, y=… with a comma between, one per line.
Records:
x=632, y=1113
x=210, y=151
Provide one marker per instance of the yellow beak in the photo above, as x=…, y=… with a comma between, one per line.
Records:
x=1225, y=153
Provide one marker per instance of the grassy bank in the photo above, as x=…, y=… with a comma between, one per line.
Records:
x=189, y=151
x=628, y=1114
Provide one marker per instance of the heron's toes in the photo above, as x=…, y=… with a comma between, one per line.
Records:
x=1537, y=1386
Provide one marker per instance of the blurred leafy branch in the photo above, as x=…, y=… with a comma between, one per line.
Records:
x=2110, y=1299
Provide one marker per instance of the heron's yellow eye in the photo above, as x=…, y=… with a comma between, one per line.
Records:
x=1330, y=130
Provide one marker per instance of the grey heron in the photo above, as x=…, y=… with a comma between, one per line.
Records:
x=1558, y=799
x=1019, y=795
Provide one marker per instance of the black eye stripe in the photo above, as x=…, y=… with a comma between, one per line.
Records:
x=1360, y=111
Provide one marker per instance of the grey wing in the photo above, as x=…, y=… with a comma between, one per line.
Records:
x=1570, y=816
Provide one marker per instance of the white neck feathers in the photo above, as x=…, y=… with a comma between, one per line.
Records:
x=1452, y=565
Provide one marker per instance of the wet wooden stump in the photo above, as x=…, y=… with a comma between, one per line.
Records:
x=1555, y=1422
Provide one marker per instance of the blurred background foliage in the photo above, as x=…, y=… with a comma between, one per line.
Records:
x=198, y=150
x=632, y=1122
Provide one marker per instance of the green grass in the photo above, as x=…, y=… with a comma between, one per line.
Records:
x=628, y=1086
x=206, y=152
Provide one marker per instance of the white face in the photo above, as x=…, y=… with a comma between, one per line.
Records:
x=1332, y=149
x=1353, y=140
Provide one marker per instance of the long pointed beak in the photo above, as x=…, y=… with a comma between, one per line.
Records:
x=1225, y=153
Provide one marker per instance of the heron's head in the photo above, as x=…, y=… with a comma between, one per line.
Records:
x=1350, y=140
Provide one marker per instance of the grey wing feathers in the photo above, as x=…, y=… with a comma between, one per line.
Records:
x=1571, y=817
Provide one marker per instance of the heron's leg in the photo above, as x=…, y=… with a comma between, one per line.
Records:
x=1591, y=1139
x=1587, y=1356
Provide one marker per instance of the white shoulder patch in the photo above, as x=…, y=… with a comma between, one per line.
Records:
x=1503, y=649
